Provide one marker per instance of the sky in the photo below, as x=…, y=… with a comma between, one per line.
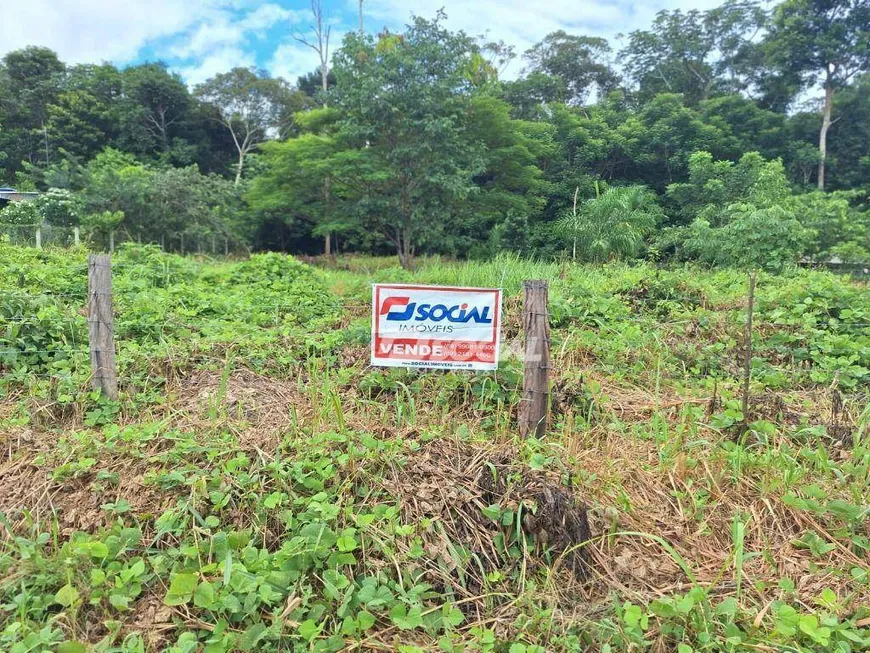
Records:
x=199, y=38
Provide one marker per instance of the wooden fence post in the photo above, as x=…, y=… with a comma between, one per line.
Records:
x=38, y=238
x=226, y=246
x=111, y=242
x=534, y=407
x=76, y=236
x=101, y=337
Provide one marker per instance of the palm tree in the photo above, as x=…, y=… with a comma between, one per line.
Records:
x=611, y=226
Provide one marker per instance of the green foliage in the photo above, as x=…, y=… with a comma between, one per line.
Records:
x=424, y=151
x=694, y=53
x=297, y=537
x=838, y=229
x=714, y=185
x=750, y=237
x=21, y=213
x=155, y=202
x=249, y=105
x=577, y=64
x=404, y=104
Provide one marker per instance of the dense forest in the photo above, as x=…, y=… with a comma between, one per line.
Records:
x=735, y=136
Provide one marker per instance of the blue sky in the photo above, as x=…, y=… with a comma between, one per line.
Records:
x=199, y=38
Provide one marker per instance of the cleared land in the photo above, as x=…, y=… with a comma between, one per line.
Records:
x=260, y=487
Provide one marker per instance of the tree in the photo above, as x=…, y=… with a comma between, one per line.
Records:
x=291, y=187
x=821, y=38
x=849, y=154
x=311, y=84
x=833, y=221
x=158, y=202
x=578, y=64
x=713, y=185
x=249, y=105
x=319, y=41
x=80, y=124
x=752, y=237
x=510, y=183
x=155, y=105
x=660, y=139
x=694, y=53
x=30, y=80
x=404, y=101
x=612, y=226
x=746, y=127
x=742, y=213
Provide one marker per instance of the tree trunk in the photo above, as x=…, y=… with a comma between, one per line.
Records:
x=574, y=216
x=405, y=251
x=826, y=125
x=239, y=167
x=327, y=197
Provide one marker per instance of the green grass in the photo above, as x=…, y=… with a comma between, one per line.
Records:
x=259, y=487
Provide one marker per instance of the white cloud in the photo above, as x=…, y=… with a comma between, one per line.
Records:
x=266, y=16
x=98, y=30
x=224, y=33
x=292, y=59
x=219, y=61
x=203, y=37
x=522, y=23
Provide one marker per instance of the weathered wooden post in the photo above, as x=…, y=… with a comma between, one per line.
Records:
x=534, y=407
x=112, y=242
x=76, y=236
x=101, y=337
x=38, y=238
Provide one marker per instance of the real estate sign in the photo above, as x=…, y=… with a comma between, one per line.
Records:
x=435, y=326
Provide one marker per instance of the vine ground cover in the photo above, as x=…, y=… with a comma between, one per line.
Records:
x=259, y=487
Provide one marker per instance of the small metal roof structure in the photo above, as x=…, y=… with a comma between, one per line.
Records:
x=12, y=195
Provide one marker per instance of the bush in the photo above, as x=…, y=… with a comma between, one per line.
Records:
x=752, y=237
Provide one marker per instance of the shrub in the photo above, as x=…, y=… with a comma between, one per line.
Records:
x=768, y=238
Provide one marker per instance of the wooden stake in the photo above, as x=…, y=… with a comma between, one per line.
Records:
x=534, y=407
x=76, y=236
x=747, y=348
x=38, y=238
x=101, y=336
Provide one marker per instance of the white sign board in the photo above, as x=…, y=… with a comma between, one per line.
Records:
x=435, y=326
